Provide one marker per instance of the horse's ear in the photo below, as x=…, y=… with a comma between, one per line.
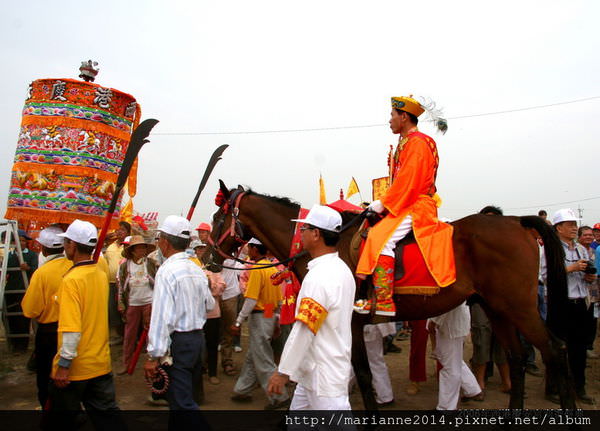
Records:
x=240, y=187
x=224, y=189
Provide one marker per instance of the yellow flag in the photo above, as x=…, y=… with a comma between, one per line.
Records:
x=322, y=197
x=352, y=188
x=127, y=211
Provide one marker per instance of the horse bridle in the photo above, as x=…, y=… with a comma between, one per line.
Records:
x=242, y=234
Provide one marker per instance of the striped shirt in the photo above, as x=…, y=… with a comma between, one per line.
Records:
x=180, y=302
x=575, y=281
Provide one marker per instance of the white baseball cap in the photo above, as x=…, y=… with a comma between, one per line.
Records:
x=176, y=226
x=323, y=217
x=254, y=241
x=50, y=238
x=197, y=243
x=81, y=232
x=566, y=214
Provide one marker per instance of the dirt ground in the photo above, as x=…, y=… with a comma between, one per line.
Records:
x=18, y=387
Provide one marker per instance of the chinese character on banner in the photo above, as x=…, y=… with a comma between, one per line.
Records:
x=58, y=89
x=103, y=97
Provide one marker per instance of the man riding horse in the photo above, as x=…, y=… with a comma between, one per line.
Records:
x=409, y=203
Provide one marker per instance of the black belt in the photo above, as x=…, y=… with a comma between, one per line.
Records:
x=193, y=331
x=256, y=311
x=577, y=300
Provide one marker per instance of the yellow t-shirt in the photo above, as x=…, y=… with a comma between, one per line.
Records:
x=113, y=258
x=261, y=288
x=40, y=300
x=103, y=266
x=83, y=302
x=197, y=262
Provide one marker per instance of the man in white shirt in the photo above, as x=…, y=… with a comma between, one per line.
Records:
x=450, y=330
x=317, y=352
x=576, y=263
x=179, y=306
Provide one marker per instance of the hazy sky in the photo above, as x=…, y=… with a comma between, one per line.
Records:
x=241, y=66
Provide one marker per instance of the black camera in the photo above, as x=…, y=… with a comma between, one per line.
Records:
x=590, y=268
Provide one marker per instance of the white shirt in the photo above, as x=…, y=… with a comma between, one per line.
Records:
x=180, y=302
x=576, y=284
x=455, y=323
x=231, y=277
x=140, y=292
x=321, y=362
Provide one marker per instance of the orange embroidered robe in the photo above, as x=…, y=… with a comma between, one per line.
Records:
x=412, y=192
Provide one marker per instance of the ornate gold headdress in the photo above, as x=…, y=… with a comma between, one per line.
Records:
x=412, y=106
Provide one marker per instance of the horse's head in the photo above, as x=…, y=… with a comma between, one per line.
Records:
x=228, y=233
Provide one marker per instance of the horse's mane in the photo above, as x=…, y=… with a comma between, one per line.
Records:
x=346, y=215
x=278, y=199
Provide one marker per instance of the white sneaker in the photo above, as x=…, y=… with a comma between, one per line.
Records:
x=237, y=349
x=219, y=348
x=592, y=355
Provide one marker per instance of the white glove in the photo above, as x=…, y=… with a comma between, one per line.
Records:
x=376, y=206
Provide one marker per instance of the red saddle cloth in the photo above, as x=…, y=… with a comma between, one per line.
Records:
x=417, y=279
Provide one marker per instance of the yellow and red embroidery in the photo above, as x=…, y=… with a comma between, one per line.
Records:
x=312, y=314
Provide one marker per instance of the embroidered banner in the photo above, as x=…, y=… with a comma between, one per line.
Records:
x=71, y=146
x=312, y=314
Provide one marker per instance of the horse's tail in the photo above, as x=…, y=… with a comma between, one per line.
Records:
x=556, y=279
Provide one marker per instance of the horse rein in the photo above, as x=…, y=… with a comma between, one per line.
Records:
x=236, y=230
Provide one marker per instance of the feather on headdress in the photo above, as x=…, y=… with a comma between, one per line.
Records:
x=434, y=114
x=417, y=107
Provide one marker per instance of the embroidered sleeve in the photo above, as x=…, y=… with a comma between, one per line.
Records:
x=312, y=314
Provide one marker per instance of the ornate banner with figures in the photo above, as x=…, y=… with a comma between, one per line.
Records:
x=72, y=142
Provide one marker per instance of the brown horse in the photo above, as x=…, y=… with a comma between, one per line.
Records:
x=496, y=257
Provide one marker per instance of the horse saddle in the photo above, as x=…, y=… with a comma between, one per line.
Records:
x=361, y=235
x=411, y=275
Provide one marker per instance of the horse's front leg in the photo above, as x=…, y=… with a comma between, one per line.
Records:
x=360, y=361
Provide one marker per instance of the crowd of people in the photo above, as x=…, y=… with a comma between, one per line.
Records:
x=162, y=289
x=154, y=295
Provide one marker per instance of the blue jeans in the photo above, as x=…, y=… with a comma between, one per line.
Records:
x=185, y=375
x=541, y=302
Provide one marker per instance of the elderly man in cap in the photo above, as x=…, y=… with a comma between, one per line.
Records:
x=260, y=306
x=40, y=303
x=317, y=352
x=409, y=203
x=82, y=367
x=15, y=282
x=576, y=263
x=135, y=281
x=203, y=230
x=179, y=307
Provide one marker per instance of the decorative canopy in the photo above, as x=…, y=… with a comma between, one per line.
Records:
x=72, y=142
